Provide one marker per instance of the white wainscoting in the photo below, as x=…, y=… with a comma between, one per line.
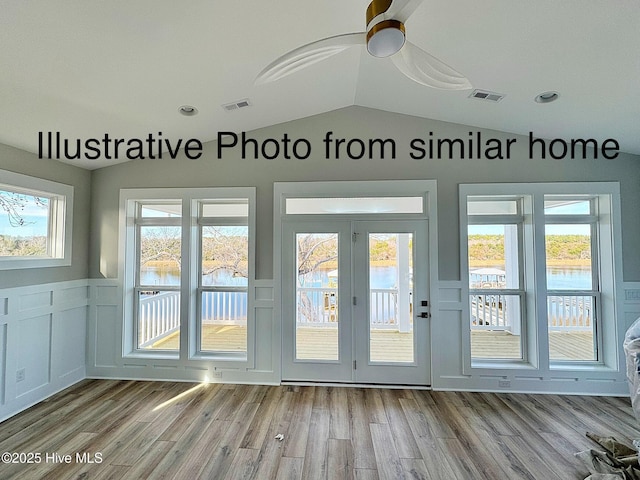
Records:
x=42, y=342
x=451, y=355
x=105, y=357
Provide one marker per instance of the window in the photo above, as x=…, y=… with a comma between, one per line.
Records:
x=496, y=283
x=35, y=222
x=540, y=264
x=188, y=265
x=352, y=205
x=571, y=257
x=224, y=275
x=158, y=238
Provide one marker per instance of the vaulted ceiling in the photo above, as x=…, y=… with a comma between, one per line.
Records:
x=125, y=67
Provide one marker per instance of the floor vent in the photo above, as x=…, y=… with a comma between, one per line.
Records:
x=486, y=95
x=229, y=107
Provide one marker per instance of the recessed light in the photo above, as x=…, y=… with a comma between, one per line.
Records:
x=188, y=110
x=547, y=97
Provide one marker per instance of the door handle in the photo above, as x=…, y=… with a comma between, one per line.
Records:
x=424, y=315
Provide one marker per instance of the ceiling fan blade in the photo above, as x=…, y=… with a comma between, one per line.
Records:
x=307, y=55
x=427, y=70
x=402, y=9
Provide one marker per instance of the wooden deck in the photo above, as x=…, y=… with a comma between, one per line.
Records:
x=503, y=345
x=189, y=431
x=388, y=345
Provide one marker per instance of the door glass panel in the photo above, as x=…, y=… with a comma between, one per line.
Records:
x=223, y=301
x=317, y=281
x=391, y=297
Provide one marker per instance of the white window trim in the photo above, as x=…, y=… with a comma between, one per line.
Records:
x=610, y=235
x=517, y=220
x=60, y=220
x=427, y=189
x=190, y=199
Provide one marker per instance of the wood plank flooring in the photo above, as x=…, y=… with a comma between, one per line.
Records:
x=162, y=430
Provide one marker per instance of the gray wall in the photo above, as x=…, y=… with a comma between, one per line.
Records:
x=356, y=122
x=19, y=161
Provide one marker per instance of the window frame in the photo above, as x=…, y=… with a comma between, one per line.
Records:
x=60, y=220
x=591, y=219
x=140, y=222
x=609, y=251
x=223, y=222
x=190, y=199
x=517, y=219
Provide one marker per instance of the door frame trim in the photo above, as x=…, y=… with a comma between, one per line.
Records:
x=350, y=189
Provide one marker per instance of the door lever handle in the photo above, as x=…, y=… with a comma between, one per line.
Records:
x=424, y=315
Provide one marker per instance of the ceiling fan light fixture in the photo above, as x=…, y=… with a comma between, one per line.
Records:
x=385, y=38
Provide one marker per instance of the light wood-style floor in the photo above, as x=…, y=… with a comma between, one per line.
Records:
x=389, y=345
x=190, y=431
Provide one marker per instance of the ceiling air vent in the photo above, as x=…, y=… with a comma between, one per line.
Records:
x=486, y=95
x=229, y=107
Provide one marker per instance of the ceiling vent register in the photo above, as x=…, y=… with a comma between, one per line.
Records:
x=486, y=95
x=230, y=107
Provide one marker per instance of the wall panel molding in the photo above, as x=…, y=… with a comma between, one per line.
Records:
x=105, y=357
x=42, y=342
x=452, y=366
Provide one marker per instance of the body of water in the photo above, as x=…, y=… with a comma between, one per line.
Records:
x=558, y=278
x=164, y=276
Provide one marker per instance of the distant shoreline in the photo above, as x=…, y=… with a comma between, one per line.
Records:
x=391, y=262
x=576, y=262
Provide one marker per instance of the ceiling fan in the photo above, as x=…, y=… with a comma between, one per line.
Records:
x=385, y=37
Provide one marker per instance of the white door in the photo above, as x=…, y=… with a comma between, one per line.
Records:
x=354, y=296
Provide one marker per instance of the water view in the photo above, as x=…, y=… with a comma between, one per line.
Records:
x=558, y=278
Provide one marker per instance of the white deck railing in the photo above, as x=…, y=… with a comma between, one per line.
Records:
x=158, y=316
x=159, y=312
x=488, y=312
x=318, y=306
x=570, y=312
x=564, y=312
x=224, y=307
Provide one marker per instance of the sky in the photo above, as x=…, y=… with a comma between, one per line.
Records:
x=35, y=221
x=578, y=208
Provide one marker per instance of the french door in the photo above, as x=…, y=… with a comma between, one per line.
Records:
x=355, y=302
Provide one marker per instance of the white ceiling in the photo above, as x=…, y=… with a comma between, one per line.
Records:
x=86, y=68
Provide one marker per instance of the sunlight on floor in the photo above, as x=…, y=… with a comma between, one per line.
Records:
x=181, y=396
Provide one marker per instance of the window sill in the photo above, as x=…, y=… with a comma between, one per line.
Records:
x=587, y=367
x=221, y=357
x=20, y=263
x=139, y=354
x=497, y=365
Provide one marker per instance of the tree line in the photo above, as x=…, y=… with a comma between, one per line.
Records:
x=11, y=246
x=558, y=247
